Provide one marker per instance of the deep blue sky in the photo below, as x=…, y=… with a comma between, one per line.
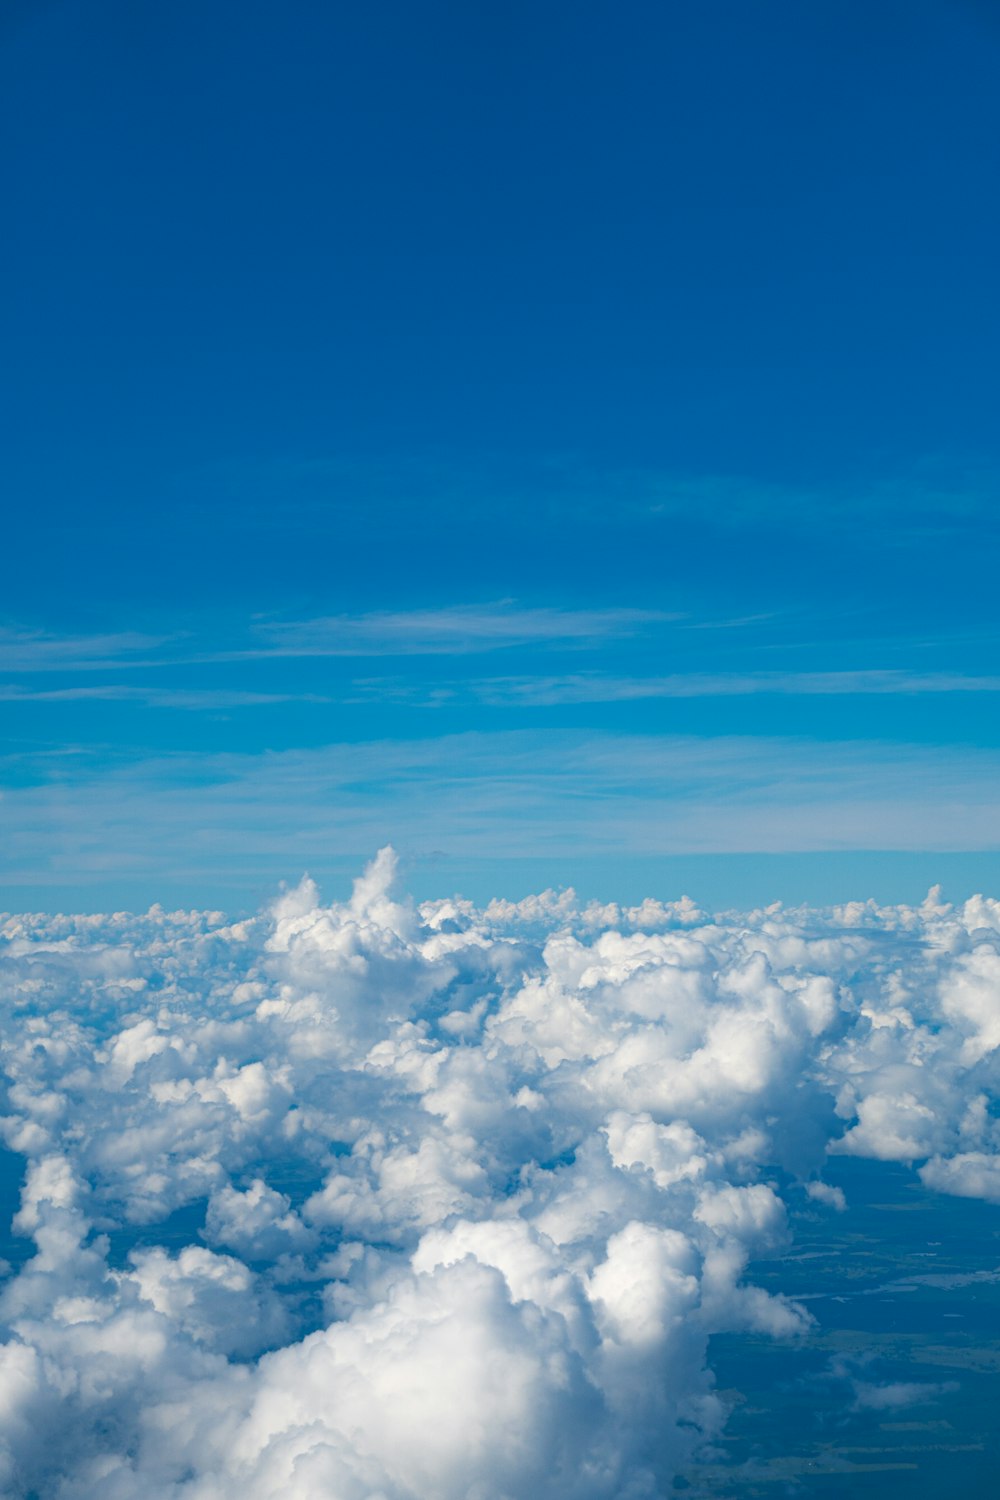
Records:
x=560, y=439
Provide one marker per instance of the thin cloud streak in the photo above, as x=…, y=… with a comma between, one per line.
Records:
x=35, y=651
x=183, y=698
x=545, y=692
x=502, y=795
x=452, y=630
x=455, y=630
x=528, y=691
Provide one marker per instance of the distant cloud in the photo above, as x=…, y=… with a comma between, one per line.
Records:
x=592, y=687
x=895, y=1395
x=509, y=794
x=38, y=651
x=456, y=630
x=523, y=692
x=207, y=699
x=453, y=630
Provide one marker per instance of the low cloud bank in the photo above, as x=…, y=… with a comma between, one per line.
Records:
x=378, y=1201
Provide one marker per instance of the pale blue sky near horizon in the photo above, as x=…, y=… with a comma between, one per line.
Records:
x=559, y=441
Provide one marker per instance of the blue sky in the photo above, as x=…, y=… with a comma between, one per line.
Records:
x=558, y=439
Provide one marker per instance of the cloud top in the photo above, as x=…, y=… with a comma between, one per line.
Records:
x=379, y=1199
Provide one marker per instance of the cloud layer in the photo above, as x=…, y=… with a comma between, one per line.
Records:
x=377, y=1200
x=501, y=795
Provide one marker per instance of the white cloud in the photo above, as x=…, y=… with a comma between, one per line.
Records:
x=209, y=700
x=826, y=1193
x=541, y=690
x=455, y=630
x=897, y=1394
x=23, y=650
x=970, y=1174
x=367, y=1199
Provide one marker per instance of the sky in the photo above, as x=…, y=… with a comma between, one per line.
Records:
x=548, y=454
x=558, y=440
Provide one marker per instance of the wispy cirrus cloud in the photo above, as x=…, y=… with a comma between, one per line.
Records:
x=459, y=629
x=523, y=691
x=209, y=698
x=593, y=687
x=453, y=630
x=509, y=794
x=24, y=650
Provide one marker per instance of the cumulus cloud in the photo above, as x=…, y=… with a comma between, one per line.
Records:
x=374, y=1199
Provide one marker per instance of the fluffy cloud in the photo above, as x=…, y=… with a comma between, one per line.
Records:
x=379, y=1201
